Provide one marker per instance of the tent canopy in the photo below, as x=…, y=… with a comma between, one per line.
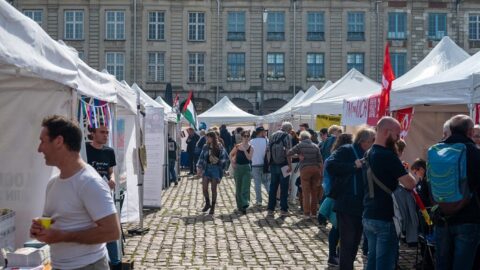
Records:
x=225, y=112
x=169, y=112
x=307, y=101
x=454, y=86
x=145, y=99
x=352, y=84
x=444, y=56
x=278, y=114
x=26, y=49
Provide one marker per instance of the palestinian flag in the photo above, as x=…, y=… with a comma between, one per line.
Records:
x=189, y=112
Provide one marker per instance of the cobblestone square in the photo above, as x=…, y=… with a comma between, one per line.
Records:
x=182, y=237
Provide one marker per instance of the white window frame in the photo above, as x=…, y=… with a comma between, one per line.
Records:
x=117, y=26
x=477, y=22
x=78, y=22
x=355, y=63
x=197, y=67
x=237, y=65
x=156, y=68
x=314, y=63
x=113, y=68
x=157, y=25
x=196, y=27
x=275, y=63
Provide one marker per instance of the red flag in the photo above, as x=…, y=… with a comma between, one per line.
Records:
x=387, y=79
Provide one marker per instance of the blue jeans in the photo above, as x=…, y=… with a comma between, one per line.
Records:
x=171, y=170
x=112, y=248
x=277, y=179
x=382, y=244
x=456, y=246
x=260, y=178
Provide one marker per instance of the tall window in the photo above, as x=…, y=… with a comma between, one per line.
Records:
x=397, y=25
x=275, y=66
x=315, y=26
x=156, y=25
x=356, y=26
x=34, y=14
x=276, y=26
x=315, y=66
x=236, y=26
x=474, y=27
x=196, y=26
x=115, y=25
x=236, y=67
x=437, y=25
x=116, y=64
x=196, y=67
x=355, y=60
x=156, y=67
x=73, y=24
x=399, y=63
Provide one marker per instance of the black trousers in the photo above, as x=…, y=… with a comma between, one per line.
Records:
x=192, y=160
x=350, y=229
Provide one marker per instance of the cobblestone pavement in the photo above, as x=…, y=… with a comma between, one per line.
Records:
x=182, y=237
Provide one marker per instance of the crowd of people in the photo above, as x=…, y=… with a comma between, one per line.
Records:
x=358, y=183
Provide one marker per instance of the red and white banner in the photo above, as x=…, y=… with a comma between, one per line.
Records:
x=405, y=117
x=361, y=111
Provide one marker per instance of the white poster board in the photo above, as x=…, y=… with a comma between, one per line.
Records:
x=155, y=145
x=127, y=166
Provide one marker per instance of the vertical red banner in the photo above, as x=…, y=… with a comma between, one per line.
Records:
x=405, y=117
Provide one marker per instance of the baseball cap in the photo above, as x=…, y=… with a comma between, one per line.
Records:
x=260, y=129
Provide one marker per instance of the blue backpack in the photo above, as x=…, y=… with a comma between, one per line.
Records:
x=447, y=176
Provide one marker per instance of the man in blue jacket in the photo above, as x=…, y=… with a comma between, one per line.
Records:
x=345, y=169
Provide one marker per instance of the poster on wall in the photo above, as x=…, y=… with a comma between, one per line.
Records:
x=155, y=145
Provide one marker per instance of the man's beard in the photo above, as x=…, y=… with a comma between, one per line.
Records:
x=391, y=144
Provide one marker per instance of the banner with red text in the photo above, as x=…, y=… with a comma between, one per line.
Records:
x=361, y=111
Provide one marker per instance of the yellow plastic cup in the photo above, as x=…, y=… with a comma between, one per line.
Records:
x=46, y=222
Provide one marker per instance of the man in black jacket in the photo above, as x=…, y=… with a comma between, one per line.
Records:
x=345, y=169
x=226, y=137
x=458, y=235
x=191, y=143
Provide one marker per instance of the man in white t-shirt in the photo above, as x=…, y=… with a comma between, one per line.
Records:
x=78, y=201
x=260, y=146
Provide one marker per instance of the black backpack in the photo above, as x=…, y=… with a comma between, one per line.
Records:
x=278, y=153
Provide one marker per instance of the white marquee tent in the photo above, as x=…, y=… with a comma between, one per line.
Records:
x=38, y=77
x=444, y=56
x=225, y=112
x=169, y=112
x=352, y=84
x=279, y=114
x=307, y=101
x=457, y=85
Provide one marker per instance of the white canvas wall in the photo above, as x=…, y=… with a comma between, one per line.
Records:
x=23, y=173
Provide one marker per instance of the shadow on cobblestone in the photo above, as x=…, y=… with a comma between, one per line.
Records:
x=201, y=218
x=181, y=237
